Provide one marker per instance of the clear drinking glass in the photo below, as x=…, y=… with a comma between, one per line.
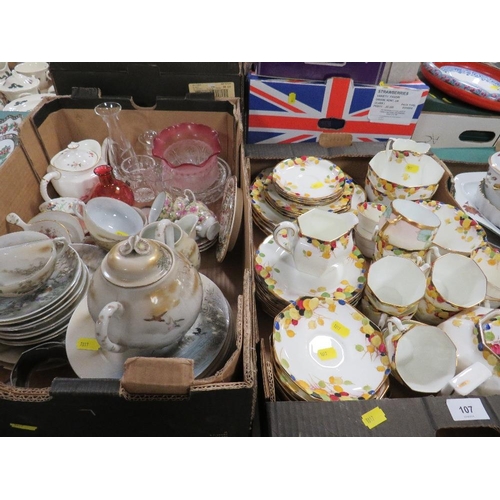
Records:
x=141, y=175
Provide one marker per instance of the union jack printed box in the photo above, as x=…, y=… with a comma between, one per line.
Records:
x=291, y=111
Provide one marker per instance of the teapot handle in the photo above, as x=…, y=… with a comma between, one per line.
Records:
x=46, y=179
x=102, y=324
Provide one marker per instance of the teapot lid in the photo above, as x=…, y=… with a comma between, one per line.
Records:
x=137, y=262
x=77, y=157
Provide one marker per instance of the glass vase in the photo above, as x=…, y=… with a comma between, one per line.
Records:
x=110, y=186
x=118, y=146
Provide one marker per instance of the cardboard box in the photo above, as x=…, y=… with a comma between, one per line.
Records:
x=446, y=122
x=288, y=111
x=222, y=405
x=359, y=72
x=145, y=81
x=405, y=413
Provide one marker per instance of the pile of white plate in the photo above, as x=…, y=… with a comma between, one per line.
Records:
x=44, y=314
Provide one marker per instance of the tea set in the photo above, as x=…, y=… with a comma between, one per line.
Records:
x=405, y=270
x=25, y=86
x=112, y=279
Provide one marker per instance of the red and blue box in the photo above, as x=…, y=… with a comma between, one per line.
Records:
x=293, y=111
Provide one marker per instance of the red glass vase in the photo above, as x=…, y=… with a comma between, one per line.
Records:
x=110, y=186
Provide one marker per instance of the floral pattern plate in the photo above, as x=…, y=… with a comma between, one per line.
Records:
x=330, y=349
x=276, y=268
x=266, y=217
x=458, y=232
x=308, y=177
x=7, y=145
x=230, y=218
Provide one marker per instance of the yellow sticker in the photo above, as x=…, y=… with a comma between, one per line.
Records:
x=373, y=417
x=24, y=427
x=327, y=353
x=291, y=97
x=341, y=329
x=85, y=344
x=121, y=233
x=412, y=168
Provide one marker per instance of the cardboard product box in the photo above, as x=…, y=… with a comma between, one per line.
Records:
x=156, y=396
x=145, y=81
x=359, y=72
x=400, y=412
x=338, y=109
x=446, y=122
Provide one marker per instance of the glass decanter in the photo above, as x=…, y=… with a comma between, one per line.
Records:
x=118, y=146
x=110, y=186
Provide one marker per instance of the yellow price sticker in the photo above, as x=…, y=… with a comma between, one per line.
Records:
x=292, y=96
x=84, y=344
x=24, y=427
x=121, y=233
x=327, y=353
x=412, y=168
x=341, y=329
x=373, y=417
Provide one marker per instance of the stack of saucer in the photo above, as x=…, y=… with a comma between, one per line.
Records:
x=269, y=207
x=278, y=282
x=326, y=350
x=44, y=314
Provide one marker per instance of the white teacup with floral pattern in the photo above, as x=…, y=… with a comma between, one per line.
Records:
x=424, y=358
x=408, y=225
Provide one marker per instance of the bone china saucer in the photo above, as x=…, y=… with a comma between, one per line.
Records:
x=276, y=268
x=330, y=349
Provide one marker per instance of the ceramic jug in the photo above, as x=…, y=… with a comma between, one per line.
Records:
x=318, y=240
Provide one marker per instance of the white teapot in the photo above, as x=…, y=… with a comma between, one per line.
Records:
x=143, y=296
x=71, y=171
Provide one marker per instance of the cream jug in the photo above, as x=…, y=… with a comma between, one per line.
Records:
x=318, y=240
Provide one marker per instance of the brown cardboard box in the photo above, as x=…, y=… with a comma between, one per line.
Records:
x=148, y=402
x=405, y=414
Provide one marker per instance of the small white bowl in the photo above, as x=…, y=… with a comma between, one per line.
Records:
x=109, y=219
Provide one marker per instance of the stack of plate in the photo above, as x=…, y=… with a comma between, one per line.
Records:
x=326, y=350
x=209, y=342
x=269, y=207
x=278, y=282
x=308, y=180
x=44, y=314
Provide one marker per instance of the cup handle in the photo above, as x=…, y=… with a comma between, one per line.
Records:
x=61, y=244
x=382, y=322
x=78, y=209
x=164, y=232
x=102, y=325
x=467, y=380
x=398, y=324
x=289, y=240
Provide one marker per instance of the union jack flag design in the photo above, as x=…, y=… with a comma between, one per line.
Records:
x=288, y=111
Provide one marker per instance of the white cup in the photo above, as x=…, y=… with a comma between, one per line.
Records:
x=35, y=69
x=424, y=358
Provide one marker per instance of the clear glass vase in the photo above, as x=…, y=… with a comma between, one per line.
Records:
x=118, y=146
